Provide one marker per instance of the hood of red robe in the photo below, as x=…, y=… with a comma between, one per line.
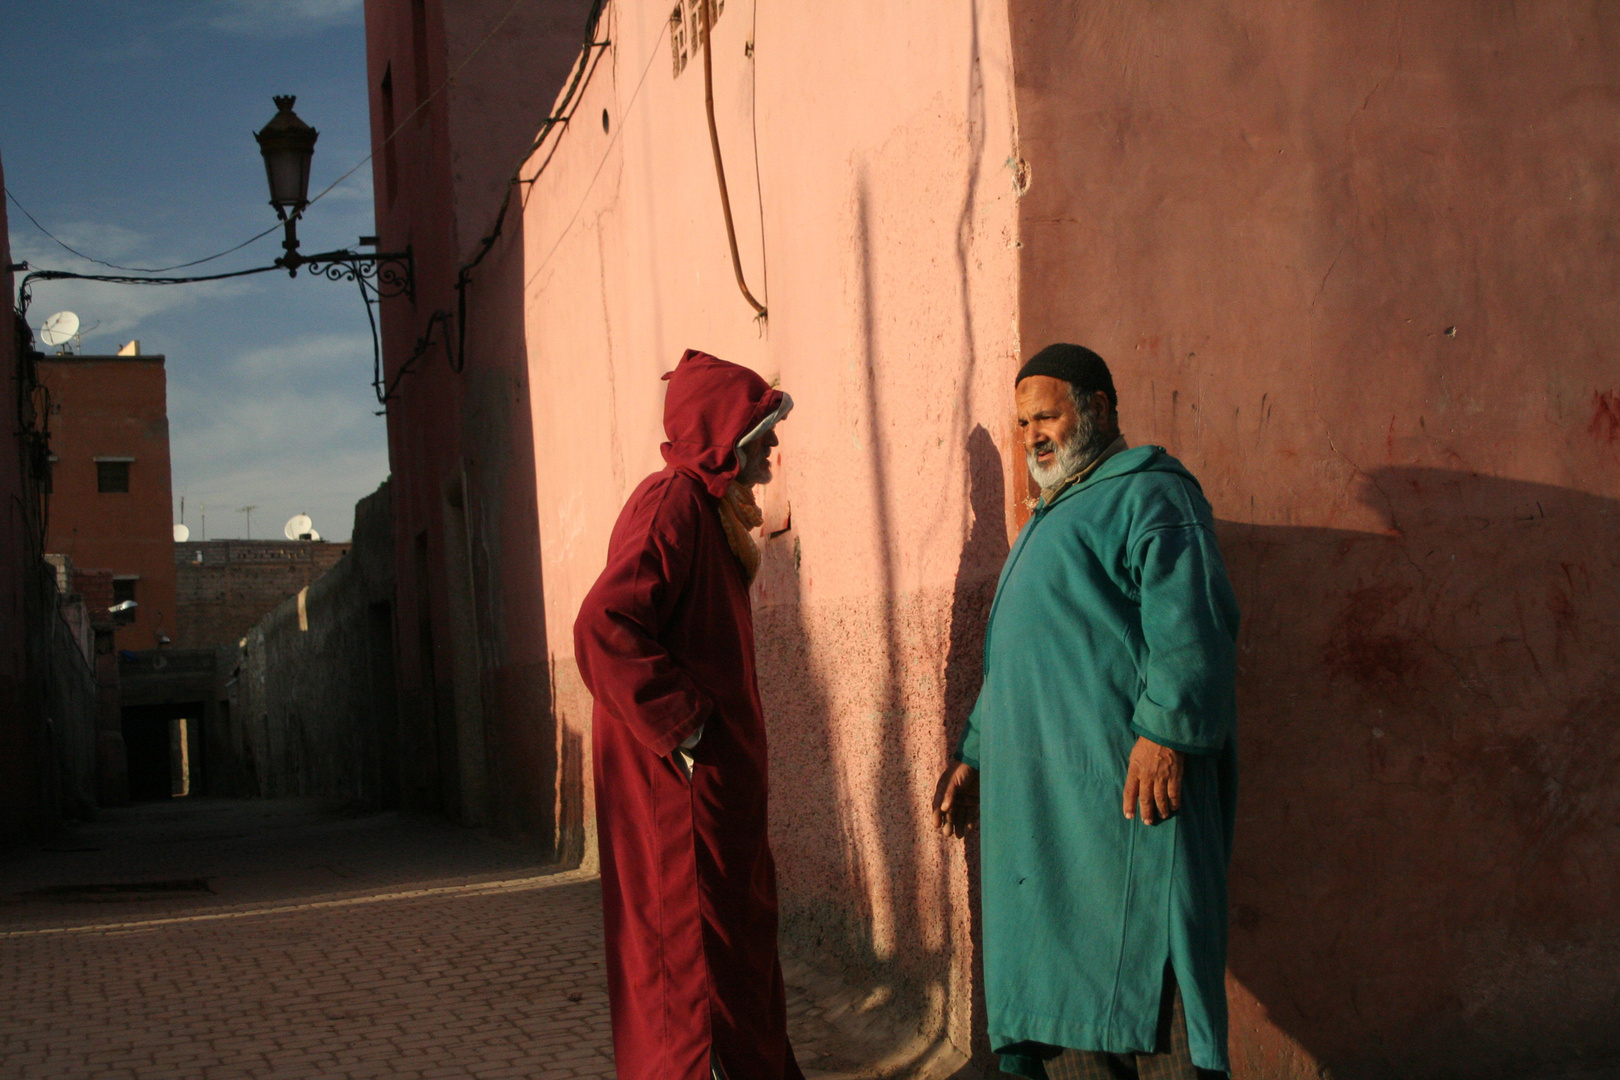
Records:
x=711, y=404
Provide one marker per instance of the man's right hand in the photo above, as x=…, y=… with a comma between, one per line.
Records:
x=956, y=800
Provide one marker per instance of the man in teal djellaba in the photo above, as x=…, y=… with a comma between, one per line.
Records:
x=1100, y=756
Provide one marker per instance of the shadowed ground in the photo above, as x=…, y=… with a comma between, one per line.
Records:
x=294, y=938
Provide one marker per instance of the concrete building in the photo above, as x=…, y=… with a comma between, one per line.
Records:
x=1350, y=262
x=224, y=587
x=110, y=501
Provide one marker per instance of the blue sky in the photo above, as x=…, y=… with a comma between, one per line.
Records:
x=125, y=128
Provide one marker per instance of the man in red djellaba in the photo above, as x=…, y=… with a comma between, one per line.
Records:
x=665, y=642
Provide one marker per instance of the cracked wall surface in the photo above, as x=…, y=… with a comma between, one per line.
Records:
x=1354, y=264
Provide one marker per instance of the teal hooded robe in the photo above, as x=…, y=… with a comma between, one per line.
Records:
x=1113, y=619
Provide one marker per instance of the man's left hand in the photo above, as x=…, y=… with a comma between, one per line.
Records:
x=1153, y=781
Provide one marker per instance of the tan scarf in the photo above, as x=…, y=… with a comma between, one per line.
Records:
x=739, y=514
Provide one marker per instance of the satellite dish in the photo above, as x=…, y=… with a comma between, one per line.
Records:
x=181, y=534
x=299, y=527
x=59, y=328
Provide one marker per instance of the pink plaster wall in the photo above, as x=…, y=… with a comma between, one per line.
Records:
x=1355, y=264
x=868, y=150
x=1269, y=217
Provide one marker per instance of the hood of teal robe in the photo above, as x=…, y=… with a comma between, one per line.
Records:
x=1113, y=619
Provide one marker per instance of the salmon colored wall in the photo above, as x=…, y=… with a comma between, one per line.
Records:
x=1351, y=261
x=114, y=407
x=1355, y=264
x=464, y=438
x=869, y=151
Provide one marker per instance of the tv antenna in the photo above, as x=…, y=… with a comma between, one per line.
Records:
x=299, y=527
x=248, y=511
x=58, y=330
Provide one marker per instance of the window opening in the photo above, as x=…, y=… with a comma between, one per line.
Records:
x=390, y=161
x=123, y=589
x=686, y=30
x=112, y=477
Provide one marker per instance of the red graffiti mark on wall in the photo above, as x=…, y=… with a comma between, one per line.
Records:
x=1369, y=643
x=1605, y=424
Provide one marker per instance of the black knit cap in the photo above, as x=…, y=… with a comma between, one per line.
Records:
x=1076, y=365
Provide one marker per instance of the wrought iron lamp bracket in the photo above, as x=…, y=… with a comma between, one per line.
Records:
x=388, y=274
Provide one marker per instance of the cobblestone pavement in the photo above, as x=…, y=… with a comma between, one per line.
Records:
x=223, y=938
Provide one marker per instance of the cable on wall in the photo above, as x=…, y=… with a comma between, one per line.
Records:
x=719, y=167
x=456, y=353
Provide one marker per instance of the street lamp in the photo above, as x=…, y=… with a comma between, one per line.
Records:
x=288, y=145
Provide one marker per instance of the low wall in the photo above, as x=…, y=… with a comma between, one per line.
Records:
x=225, y=586
x=312, y=697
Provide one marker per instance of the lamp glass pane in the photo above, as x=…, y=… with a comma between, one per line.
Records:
x=288, y=171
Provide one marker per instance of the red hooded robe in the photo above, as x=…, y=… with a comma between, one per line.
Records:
x=665, y=642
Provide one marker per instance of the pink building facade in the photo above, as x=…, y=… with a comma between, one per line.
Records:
x=1351, y=263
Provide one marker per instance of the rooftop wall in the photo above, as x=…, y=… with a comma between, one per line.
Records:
x=223, y=587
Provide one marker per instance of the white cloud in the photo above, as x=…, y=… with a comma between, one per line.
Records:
x=102, y=239
x=107, y=310
x=282, y=18
x=287, y=428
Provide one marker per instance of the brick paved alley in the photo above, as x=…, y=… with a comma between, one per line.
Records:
x=256, y=939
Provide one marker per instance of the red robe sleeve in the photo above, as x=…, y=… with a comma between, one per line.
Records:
x=617, y=636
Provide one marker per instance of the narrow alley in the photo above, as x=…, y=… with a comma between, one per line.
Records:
x=218, y=938
x=499, y=492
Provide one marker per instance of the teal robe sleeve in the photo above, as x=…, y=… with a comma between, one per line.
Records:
x=1189, y=631
x=967, y=750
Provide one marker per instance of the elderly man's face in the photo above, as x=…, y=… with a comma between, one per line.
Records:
x=1060, y=437
x=758, y=467
x=1047, y=419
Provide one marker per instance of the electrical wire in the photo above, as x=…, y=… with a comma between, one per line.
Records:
x=25, y=289
x=64, y=245
x=464, y=274
x=297, y=214
x=456, y=355
x=612, y=141
x=583, y=68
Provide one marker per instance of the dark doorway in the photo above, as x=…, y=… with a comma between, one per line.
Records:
x=163, y=745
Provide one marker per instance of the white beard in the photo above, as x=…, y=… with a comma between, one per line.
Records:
x=1069, y=459
x=1073, y=454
